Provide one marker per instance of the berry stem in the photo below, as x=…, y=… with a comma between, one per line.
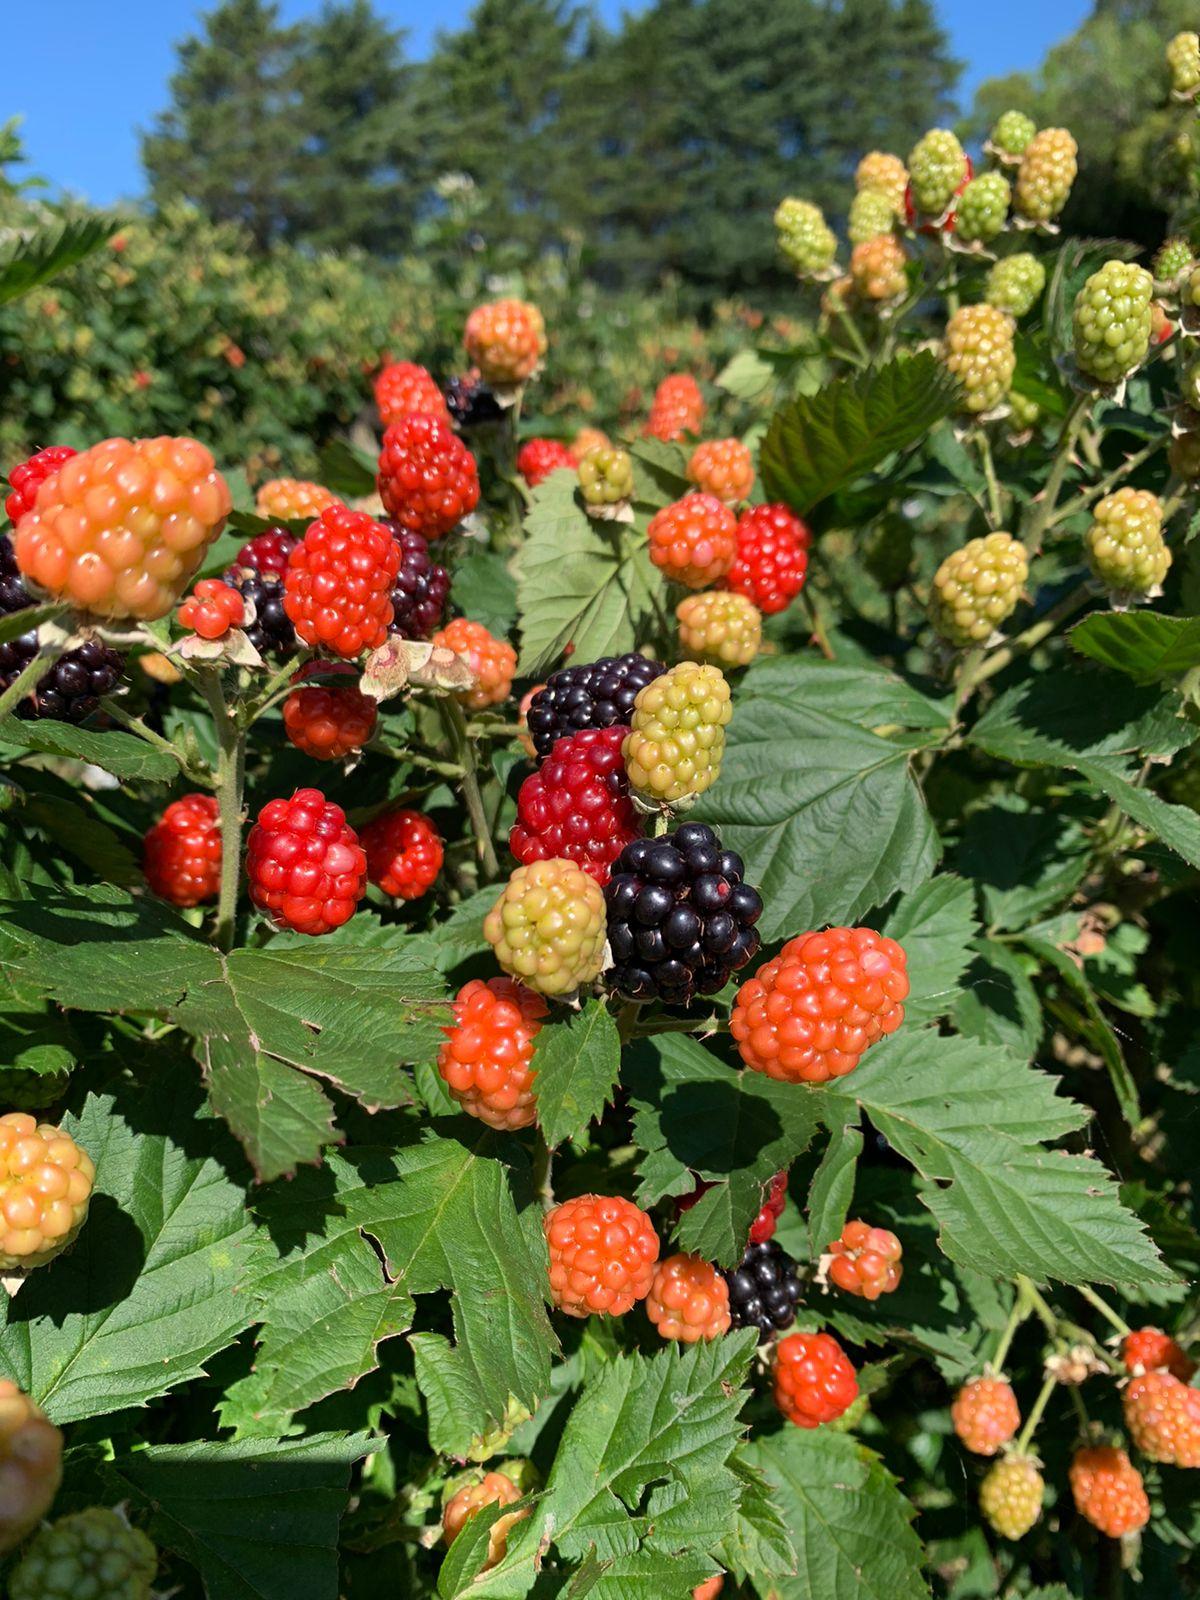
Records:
x=1097, y=490
x=455, y=726
x=995, y=505
x=231, y=778
x=1020, y=1310
x=279, y=680
x=1103, y=1307
x=986, y=666
x=543, y=1171
x=1035, y=1416
x=848, y=323
x=30, y=676
x=1038, y=1305
x=1041, y=512
x=818, y=627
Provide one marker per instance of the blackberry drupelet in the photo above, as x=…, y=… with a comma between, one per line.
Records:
x=680, y=918
x=422, y=587
x=599, y=694
x=470, y=401
x=271, y=632
x=764, y=1289
x=71, y=688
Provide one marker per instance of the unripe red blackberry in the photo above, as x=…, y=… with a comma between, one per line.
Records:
x=91, y=1555
x=721, y=627
x=693, y=540
x=598, y=694
x=427, y=478
x=872, y=214
x=880, y=173
x=977, y=588
x=688, y=1300
x=538, y=458
x=866, y=1261
x=339, y=581
x=486, y=1061
x=31, y=1450
x=812, y=1012
x=1162, y=1416
x=678, y=408
x=506, y=340
x=212, y=609
x=1112, y=320
x=404, y=387
x=182, y=851
x=877, y=268
x=1015, y=284
x=764, y=1225
x=1125, y=546
x=764, y=1289
x=978, y=350
x=677, y=734
x=805, y=238
x=304, y=865
x=1183, y=63
x=710, y=1588
x=404, y=853
x=45, y=1190
x=1011, y=135
x=494, y=1488
x=492, y=660
x=421, y=590
x=814, y=1380
x=723, y=468
x=603, y=1252
x=577, y=805
x=985, y=1415
x=937, y=169
x=25, y=480
x=1108, y=1491
x=772, y=557
x=606, y=480
x=1010, y=1496
x=293, y=499
x=1044, y=178
x=1152, y=1350
x=548, y=927
x=329, y=721
x=681, y=917
x=982, y=207
x=267, y=552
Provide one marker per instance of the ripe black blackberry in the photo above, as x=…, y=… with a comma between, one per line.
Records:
x=599, y=694
x=764, y=1289
x=271, y=632
x=470, y=401
x=70, y=689
x=422, y=587
x=680, y=918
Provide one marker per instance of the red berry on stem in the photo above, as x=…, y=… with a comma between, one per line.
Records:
x=337, y=592
x=688, y=1300
x=1152, y=1350
x=694, y=540
x=538, y=458
x=1163, y=1418
x=267, y=552
x=814, y=1379
x=486, y=1059
x=602, y=1255
x=985, y=1415
x=427, y=477
x=404, y=853
x=577, y=804
x=402, y=388
x=304, y=865
x=25, y=481
x=329, y=720
x=1107, y=1490
x=212, y=609
x=866, y=1261
x=181, y=853
x=772, y=557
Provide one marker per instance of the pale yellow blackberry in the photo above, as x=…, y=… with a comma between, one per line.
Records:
x=606, y=478
x=978, y=350
x=1011, y=134
x=977, y=588
x=1112, y=321
x=90, y=1555
x=1183, y=63
x=871, y=214
x=805, y=238
x=1015, y=284
x=1010, y=1496
x=936, y=168
x=1046, y=173
x=883, y=174
x=982, y=208
x=548, y=926
x=1125, y=545
x=1173, y=258
x=720, y=626
x=877, y=268
x=677, y=734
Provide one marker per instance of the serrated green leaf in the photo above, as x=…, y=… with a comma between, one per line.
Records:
x=119, y=753
x=1099, y=1034
x=28, y=619
x=145, y=1296
x=32, y=261
x=258, y=1520
x=662, y=472
x=1145, y=645
x=1072, y=715
x=577, y=1062
x=760, y=1544
x=748, y=374
x=867, y=695
x=824, y=813
x=997, y=1003
x=1177, y=826
x=851, y=1526
x=818, y=444
x=485, y=589
x=832, y=1187
x=935, y=924
x=1024, y=862
x=345, y=470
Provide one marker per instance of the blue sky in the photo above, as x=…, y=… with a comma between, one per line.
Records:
x=92, y=74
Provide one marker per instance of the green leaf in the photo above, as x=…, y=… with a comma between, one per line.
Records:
x=1100, y=1035
x=146, y=1295
x=819, y=444
x=39, y=1041
x=1177, y=826
x=345, y=470
x=119, y=753
x=1145, y=645
x=662, y=475
x=577, y=1062
x=1024, y=862
x=259, y=1519
x=580, y=582
x=30, y=262
x=824, y=813
x=1072, y=715
x=997, y=1003
x=832, y=1188
x=748, y=374
x=485, y=589
x=28, y=619
x=935, y=924
x=760, y=1545
x=867, y=695
x=851, y=1526
x=469, y=1551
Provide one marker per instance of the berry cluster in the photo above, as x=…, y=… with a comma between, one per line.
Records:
x=694, y=540
x=548, y=926
x=881, y=173
x=538, y=458
x=603, y=1252
x=1010, y=135
x=31, y=1449
x=605, y=480
x=421, y=590
x=403, y=388
x=721, y=627
x=1010, y=1496
x=688, y=1300
x=678, y=409
x=506, y=340
x=977, y=588
x=293, y=499
x=1112, y=319
x=427, y=477
x=492, y=660
x=404, y=853
x=677, y=734
x=305, y=866
x=771, y=560
x=93, y=1552
x=329, y=721
x=181, y=853
x=212, y=609
x=805, y=239
x=723, y=468
x=764, y=1289
x=1107, y=1490
x=938, y=169
x=872, y=214
x=598, y=695
x=577, y=804
x=983, y=208
x=985, y=1415
x=814, y=1379
x=494, y=1488
x=486, y=1061
x=978, y=350
x=271, y=632
x=337, y=592
x=1125, y=546
x=1045, y=175
x=25, y=480
x=45, y=1190
x=866, y=1261
x=1015, y=284
x=879, y=268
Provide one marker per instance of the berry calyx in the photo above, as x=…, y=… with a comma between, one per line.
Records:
x=600, y=694
x=764, y=1289
x=403, y=388
x=677, y=734
x=1152, y=1350
x=977, y=588
x=866, y=1261
x=678, y=409
x=985, y=1415
x=404, y=853
x=1010, y=1496
x=337, y=591
x=764, y=1224
x=538, y=458
x=688, y=1300
x=603, y=1251
x=1045, y=175
x=577, y=804
x=723, y=468
x=506, y=340
x=771, y=561
x=181, y=853
x=293, y=499
x=486, y=1061
x=305, y=866
x=721, y=627
x=94, y=1553
x=812, y=1012
x=978, y=350
x=492, y=660
x=329, y=721
x=212, y=609
x=815, y=1381
x=494, y=1488
x=1107, y=1490
x=31, y=1450
x=1162, y=1416
x=1112, y=321
x=45, y=1190
x=25, y=480
x=427, y=478
x=694, y=540
x=548, y=926
x=1125, y=546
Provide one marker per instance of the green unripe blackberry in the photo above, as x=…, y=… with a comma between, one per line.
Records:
x=1025, y=412
x=1112, y=321
x=92, y=1555
x=1011, y=134
x=977, y=588
x=885, y=174
x=547, y=928
x=1173, y=258
x=1125, y=546
x=978, y=350
x=983, y=207
x=1015, y=284
x=1183, y=63
x=1010, y=1496
x=677, y=734
x=805, y=238
x=21, y=1090
x=606, y=478
x=871, y=214
x=1046, y=173
x=936, y=167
